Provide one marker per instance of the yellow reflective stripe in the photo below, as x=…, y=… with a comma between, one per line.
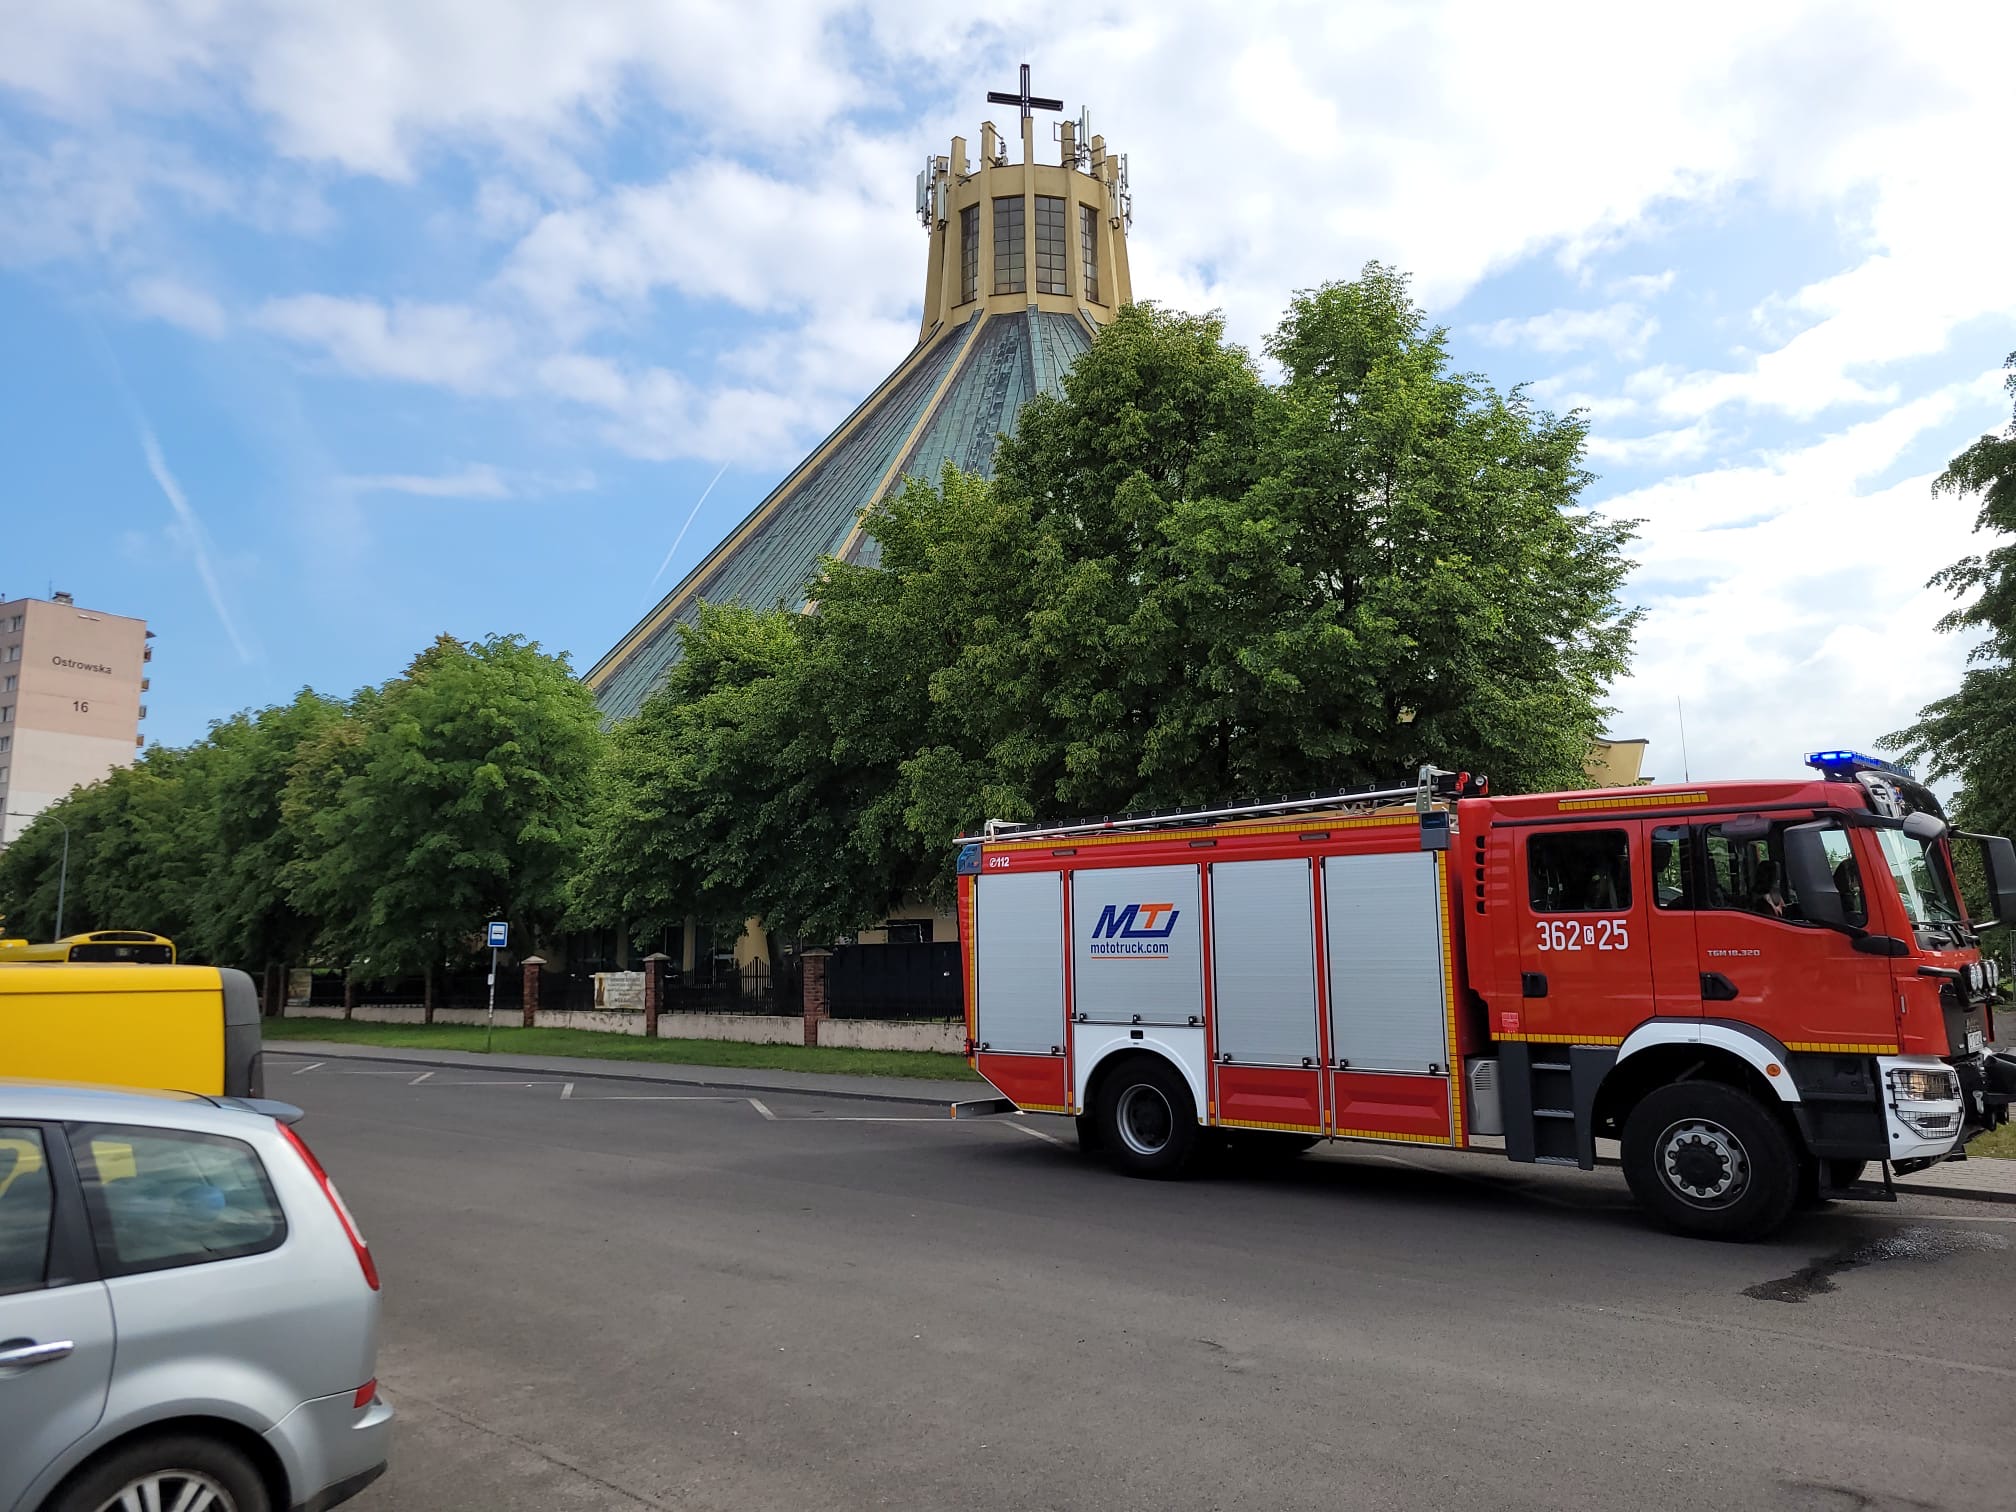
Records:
x=1650, y=800
x=1562, y=1039
x=1284, y=1128
x=1449, y=992
x=1380, y=1134
x=1848, y=1049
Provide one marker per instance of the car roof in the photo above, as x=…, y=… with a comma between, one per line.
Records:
x=84, y=1102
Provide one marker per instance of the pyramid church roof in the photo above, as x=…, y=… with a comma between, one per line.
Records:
x=1027, y=260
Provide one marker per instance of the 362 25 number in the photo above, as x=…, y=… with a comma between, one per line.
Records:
x=1596, y=934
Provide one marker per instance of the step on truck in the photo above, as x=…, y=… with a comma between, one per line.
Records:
x=1767, y=992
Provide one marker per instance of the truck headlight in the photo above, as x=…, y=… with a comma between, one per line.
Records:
x=1911, y=1084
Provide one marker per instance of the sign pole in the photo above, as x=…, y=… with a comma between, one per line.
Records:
x=497, y=936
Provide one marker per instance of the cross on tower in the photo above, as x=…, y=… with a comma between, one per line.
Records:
x=1026, y=100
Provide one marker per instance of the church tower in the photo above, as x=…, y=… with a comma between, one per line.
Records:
x=1027, y=260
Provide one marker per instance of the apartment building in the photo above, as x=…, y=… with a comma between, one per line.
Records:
x=71, y=684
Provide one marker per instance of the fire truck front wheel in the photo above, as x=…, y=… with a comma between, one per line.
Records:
x=1148, y=1120
x=1709, y=1159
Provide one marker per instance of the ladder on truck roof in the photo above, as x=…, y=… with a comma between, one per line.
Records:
x=1432, y=786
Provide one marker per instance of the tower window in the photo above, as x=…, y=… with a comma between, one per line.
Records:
x=1088, y=250
x=1050, y=275
x=969, y=253
x=1011, y=274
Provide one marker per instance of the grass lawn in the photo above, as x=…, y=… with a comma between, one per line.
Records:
x=625, y=1047
x=2001, y=1143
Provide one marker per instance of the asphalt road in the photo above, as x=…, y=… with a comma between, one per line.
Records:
x=609, y=1298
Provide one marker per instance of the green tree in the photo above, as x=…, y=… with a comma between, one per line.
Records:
x=1184, y=584
x=1970, y=735
x=452, y=794
x=244, y=913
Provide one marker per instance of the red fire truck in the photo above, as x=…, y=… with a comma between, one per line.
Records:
x=1759, y=988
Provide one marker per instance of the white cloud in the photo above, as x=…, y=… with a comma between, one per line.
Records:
x=194, y=537
x=1642, y=286
x=451, y=345
x=179, y=304
x=477, y=480
x=1786, y=605
x=1620, y=328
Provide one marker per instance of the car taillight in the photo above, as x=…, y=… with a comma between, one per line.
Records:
x=365, y=1394
x=363, y=1250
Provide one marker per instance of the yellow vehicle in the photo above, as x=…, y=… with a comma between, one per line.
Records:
x=135, y=945
x=185, y=1028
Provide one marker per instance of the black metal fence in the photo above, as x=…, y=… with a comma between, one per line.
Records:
x=894, y=981
x=720, y=988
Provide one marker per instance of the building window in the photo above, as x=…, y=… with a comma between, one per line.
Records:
x=1050, y=275
x=10, y=653
x=1010, y=272
x=10, y=682
x=6, y=744
x=7, y=714
x=3, y=773
x=969, y=254
x=1088, y=250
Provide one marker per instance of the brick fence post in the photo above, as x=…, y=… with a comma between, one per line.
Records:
x=654, y=991
x=532, y=967
x=812, y=965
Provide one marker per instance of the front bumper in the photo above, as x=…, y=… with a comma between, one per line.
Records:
x=1922, y=1128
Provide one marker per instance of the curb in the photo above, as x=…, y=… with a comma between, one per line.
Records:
x=1959, y=1194
x=625, y=1076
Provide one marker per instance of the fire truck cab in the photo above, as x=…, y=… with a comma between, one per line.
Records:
x=1759, y=989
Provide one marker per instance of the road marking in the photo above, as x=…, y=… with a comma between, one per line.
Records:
x=419, y=1079
x=758, y=1106
x=310, y=1067
x=1039, y=1134
x=567, y=1092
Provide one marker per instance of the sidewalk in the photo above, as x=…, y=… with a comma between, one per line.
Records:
x=889, y=1089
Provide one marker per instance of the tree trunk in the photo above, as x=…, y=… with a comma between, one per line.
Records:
x=427, y=994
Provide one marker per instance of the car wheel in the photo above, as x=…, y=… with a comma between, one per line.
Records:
x=1706, y=1159
x=1148, y=1120
x=179, y=1471
x=1087, y=1125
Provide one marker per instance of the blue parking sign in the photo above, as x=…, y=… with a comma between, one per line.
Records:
x=500, y=935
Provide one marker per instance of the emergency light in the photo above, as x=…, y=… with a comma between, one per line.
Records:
x=1845, y=764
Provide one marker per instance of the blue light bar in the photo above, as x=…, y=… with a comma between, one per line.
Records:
x=1845, y=764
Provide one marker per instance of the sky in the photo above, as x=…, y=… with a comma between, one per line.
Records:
x=333, y=325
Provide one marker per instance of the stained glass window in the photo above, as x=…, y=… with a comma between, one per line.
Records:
x=1011, y=274
x=1088, y=250
x=969, y=253
x=1050, y=273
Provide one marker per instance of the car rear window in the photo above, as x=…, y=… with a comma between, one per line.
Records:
x=27, y=1204
x=161, y=1198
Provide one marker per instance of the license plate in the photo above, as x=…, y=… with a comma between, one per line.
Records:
x=1974, y=1041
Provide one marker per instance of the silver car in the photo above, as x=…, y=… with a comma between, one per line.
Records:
x=188, y=1314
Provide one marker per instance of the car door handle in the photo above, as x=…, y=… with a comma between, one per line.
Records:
x=17, y=1354
x=1717, y=988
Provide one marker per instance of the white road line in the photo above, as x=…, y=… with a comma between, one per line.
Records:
x=310, y=1067
x=419, y=1079
x=567, y=1092
x=758, y=1106
x=1022, y=1128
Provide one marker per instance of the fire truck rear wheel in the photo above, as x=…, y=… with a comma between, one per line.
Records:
x=1148, y=1120
x=1708, y=1159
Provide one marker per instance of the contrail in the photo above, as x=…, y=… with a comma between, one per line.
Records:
x=690, y=518
x=192, y=527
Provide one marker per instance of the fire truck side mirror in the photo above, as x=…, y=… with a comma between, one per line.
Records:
x=1998, y=859
x=1811, y=876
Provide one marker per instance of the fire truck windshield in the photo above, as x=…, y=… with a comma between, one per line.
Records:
x=1923, y=880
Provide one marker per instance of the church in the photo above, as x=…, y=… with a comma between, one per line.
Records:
x=1027, y=260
